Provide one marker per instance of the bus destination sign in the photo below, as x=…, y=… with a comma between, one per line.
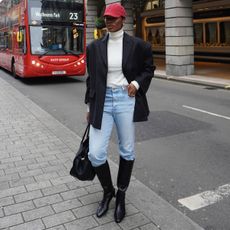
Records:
x=61, y=15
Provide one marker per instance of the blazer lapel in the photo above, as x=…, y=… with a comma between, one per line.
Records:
x=103, y=49
x=127, y=48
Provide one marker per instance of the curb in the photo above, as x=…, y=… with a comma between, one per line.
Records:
x=196, y=81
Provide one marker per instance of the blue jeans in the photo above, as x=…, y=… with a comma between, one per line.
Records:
x=118, y=109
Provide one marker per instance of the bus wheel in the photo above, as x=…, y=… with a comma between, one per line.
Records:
x=13, y=70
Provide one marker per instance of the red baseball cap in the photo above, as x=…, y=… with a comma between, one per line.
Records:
x=115, y=10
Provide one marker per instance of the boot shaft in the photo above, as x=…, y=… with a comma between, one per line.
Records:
x=124, y=174
x=104, y=176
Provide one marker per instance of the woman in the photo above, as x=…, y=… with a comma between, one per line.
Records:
x=120, y=69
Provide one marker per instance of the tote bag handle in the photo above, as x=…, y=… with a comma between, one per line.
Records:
x=86, y=133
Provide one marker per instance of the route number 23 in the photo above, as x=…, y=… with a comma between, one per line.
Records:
x=73, y=16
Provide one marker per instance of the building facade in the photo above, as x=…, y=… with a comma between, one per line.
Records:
x=180, y=31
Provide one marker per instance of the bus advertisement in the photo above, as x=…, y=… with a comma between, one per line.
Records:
x=43, y=38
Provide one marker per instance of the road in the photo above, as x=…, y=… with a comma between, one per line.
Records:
x=182, y=151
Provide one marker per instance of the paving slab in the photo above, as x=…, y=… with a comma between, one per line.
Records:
x=36, y=190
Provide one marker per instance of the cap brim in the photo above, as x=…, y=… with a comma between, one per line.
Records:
x=112, y=15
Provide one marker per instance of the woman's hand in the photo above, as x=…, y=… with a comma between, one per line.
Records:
x=131, y=90
x=87, y=117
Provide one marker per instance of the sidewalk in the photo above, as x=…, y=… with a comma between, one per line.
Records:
x=214, y=75
x=196, y=79
x=36, y=190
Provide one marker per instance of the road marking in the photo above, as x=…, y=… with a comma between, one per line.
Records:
x=206, y=198
x=204, y=111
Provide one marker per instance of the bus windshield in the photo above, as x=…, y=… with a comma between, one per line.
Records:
x=56, y=40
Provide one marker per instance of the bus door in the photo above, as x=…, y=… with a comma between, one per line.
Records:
x=20, y=49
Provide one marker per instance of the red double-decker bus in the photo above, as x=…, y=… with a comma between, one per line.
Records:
x=41, y=38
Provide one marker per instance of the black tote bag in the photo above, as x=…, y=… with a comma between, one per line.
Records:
x=82, y=168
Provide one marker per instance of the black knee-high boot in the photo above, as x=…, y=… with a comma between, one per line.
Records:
x=104, y=176
x=123, y=179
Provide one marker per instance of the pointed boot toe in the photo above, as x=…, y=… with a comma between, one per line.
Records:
x=104, y=204
x=120, y=212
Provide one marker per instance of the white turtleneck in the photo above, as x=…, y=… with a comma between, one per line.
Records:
x=115, y=76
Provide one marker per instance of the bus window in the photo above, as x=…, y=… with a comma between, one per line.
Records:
x=16, y=2
x=21, y=40
x=225, y=33
x=211, y=34
x=77, y=40
x=2, y=41
x=9, y=40
x=198, y=34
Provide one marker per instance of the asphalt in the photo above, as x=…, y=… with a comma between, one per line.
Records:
x=36, y=190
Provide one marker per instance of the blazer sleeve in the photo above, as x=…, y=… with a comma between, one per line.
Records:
x=88, y=77
x=146, y=72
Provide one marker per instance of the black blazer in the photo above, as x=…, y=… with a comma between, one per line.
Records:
x=137, y=64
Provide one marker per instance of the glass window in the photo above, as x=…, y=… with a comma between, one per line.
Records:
x=156, y=35
x=225, y=33
x=21, y=40
x=198, y=34
x=15, y=2
x=2, y=41
x=153, y=4
x=148, y=6
x=211, y=34
x=9, y=40
x=56, y=40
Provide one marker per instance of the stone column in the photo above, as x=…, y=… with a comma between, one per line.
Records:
x=179, y=37
x=91, y=14
x=129, y=19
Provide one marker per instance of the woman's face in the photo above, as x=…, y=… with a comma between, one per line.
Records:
x=114, y=24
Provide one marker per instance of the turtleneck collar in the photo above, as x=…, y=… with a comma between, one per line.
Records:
x=116, y=35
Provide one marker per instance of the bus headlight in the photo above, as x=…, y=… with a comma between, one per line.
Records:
x=37, y=64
